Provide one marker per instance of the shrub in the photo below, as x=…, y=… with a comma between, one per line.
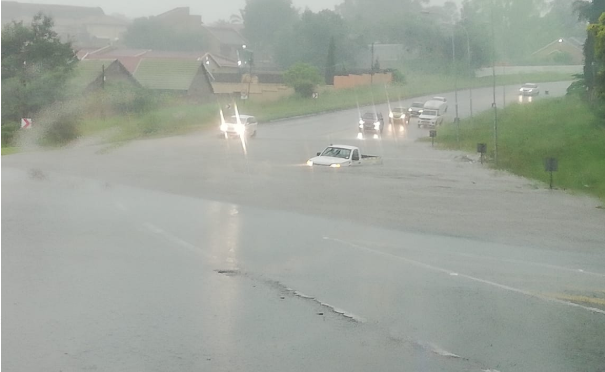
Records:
x=61, y=131
x=303, y=78
x=9, y=132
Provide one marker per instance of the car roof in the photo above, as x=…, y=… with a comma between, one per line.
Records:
x=243, y=116
x=348, y=147
x=531, y=84
x=439, y=98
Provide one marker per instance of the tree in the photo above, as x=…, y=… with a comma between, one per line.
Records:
x=151, y=33
x=303, y=77
x=310, y=37
x=597, y=30
x=331, y=62
x=590, y=11
x=266, y=20
x=36, y=65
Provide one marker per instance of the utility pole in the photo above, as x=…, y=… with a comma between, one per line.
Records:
x=454, y=65
x=372, y=66
x=494, y=87
x=103, y=77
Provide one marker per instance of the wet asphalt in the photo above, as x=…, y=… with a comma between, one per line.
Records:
x=198, y=253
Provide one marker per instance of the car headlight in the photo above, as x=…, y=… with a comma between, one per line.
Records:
x=224, y=127
x=360, y=122
x=377, y=125
x=310, y=163
x=421, y=111
x=391, y=115
x=409, y=110
x=521, y=90
x=334, y=165
x=240, y=128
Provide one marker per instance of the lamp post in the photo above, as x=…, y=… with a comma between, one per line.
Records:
x=494, y=106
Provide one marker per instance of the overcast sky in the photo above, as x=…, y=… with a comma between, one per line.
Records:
x=210, y=10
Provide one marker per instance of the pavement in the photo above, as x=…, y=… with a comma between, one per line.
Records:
x=199, y=253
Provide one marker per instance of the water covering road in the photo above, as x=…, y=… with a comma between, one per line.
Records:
x=195, y=253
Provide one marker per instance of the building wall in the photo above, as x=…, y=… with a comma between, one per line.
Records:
x=115, y=73
x=351, y=81
x=258, y=92
x=201, y=89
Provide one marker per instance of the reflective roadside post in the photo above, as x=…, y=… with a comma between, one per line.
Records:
x=482, y=149
x=433, y=134
x=551, y=165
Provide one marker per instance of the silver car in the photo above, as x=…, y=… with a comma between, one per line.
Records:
x=529, y=89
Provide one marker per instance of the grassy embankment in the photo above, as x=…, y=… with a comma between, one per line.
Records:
x=563, y=128
x=182, y=118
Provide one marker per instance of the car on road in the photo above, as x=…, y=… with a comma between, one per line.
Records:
x=336, y=156
x=399, y=115
x=416, y=109
x=430, y=119
x=371, y=122
x=239, y=125
x=529, y=89
x=437, y=103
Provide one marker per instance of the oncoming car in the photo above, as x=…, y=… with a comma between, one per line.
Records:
x=245, y=126
x=399, y=115
x=416, y=109
x=529, y=89
x=371, y=122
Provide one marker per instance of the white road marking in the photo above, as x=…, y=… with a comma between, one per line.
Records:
x=472, y=278
x=173, y=239
x=550, y=266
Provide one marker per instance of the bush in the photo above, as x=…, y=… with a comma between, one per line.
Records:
x=9, y=132
x=303, y=78
x=398, y=76
x=61, y=131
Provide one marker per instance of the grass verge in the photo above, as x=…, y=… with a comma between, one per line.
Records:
x=9, y=150
x=563, y=128
x=182, y=118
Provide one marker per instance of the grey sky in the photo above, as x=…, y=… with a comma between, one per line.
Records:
x=211, y=10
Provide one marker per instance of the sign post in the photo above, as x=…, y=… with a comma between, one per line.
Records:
x=482, y=149
x=551, y=165
x=433, y=134
x=26, y=123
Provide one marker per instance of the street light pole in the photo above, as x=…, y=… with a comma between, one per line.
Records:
x=494, y=88
x=454, y=65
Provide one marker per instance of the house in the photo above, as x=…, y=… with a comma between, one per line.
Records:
x=180, y=19
x=563, y=51
x=226, y=41
x=84, y=26
x=91, y=75
x=186, y=77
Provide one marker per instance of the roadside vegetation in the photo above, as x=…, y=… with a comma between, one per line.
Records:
x=564, y=128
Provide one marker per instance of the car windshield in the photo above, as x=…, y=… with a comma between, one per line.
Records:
x=369, y=116
x=529, y=85
x=233, y=120
x=398, y=110
x=337, y=152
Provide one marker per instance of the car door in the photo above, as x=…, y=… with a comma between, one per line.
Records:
x=355, y=157
x=252, y=125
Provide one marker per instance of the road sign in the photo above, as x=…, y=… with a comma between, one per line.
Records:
x=551, y=165
x=433, y=134
x=26, y=123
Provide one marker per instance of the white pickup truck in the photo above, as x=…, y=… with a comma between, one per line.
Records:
x=437, y=103
x=336, y=156
x=430, y=118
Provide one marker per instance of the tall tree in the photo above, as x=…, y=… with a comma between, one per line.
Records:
x=590, y=11
x=36, y=65
x=310, y=37
x=331, y=62
x=266, y=20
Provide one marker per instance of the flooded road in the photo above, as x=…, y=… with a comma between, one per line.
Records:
x=195, y=253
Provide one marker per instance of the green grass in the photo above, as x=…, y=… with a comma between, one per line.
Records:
x=563, y=128
x=9, y=150
x=185, y=117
